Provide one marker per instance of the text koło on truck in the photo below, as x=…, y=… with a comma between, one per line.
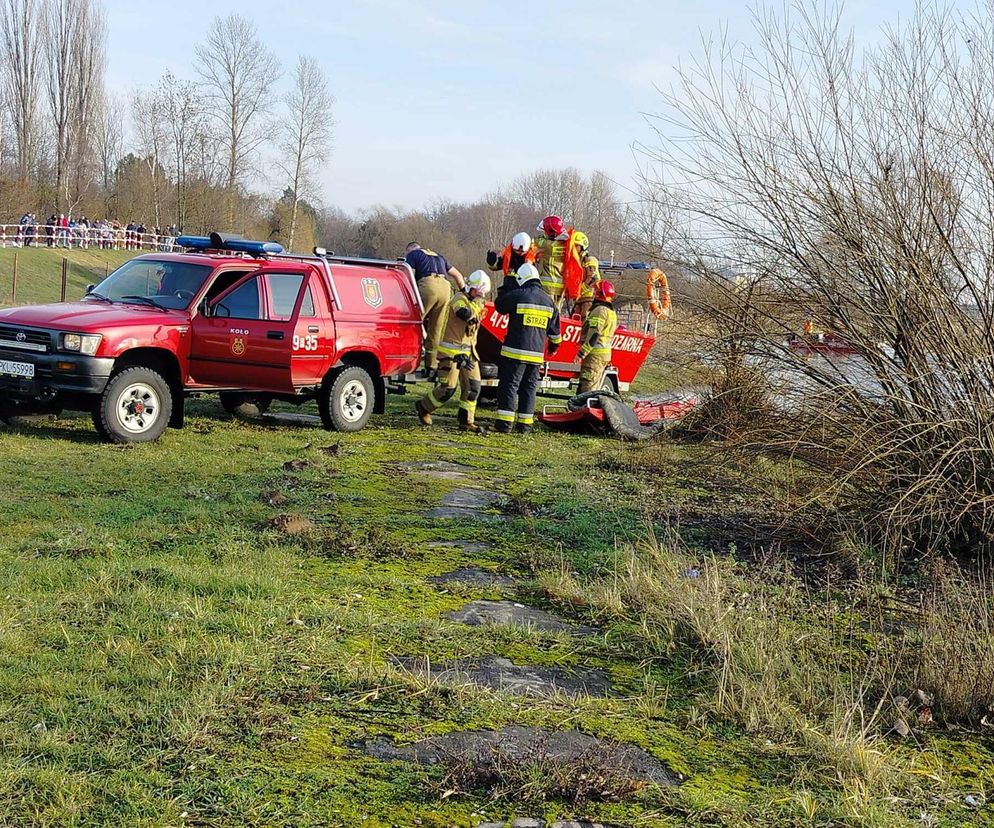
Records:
x=239, y=318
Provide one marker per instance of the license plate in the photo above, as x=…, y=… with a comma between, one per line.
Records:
x=24, y=370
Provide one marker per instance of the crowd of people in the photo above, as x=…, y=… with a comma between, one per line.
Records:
x=60, y=230
x=542, y=278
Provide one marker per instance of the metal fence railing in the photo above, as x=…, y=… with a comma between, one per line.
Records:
x=97, y=237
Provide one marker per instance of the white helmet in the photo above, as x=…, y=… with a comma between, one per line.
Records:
x=521, y=243
x=479, y=281
x=526, y=273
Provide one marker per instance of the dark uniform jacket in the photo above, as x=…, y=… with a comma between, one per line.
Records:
x=427, y=263
x=532, y=319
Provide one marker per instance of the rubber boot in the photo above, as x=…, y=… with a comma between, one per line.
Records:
x=423, y=416
x=466, y=425
x=502, y=428
x=522, y=428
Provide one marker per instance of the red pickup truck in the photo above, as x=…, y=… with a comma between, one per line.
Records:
x=229, y=316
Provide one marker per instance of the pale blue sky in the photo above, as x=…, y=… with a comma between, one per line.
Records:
x=448, y=98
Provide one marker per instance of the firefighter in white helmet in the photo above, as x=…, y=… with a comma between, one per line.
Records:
x=519, y=251
x=458, y=362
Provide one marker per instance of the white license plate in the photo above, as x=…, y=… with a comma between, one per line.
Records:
x=24, y=370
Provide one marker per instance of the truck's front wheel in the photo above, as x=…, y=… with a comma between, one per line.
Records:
x=346, y=401
x=135, y=407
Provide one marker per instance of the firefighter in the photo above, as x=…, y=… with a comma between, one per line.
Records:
x=517, y=253
x=533, y=320
x=430, y=271
x=458, y=362
x=550, y=248
x=595, y=338
x=591, y=279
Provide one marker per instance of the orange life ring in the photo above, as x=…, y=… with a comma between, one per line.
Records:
x=657, y=290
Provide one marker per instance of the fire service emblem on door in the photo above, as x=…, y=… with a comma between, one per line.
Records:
x=371, y=292
x=238, y=346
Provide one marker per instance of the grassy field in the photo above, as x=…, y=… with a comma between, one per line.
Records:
x=175, y=650
x=204, y=631
x=39, y=272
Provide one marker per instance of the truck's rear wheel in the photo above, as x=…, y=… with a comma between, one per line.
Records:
x=135, y=407
x=244, y=405
x=347, y=399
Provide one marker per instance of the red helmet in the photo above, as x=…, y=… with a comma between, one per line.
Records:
x=604, y=292
x=553, y=226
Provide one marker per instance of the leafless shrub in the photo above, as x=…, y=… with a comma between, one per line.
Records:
x=856, y=187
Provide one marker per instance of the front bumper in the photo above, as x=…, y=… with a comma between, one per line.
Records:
x=55, y=374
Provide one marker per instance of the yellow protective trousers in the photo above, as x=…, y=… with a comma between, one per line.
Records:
x=436, y=291
x=451, y=376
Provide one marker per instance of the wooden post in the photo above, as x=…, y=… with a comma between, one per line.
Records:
x=13, y=283
x=65, y=277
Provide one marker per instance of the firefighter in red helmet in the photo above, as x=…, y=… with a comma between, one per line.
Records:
x=550, y=249
x=595, y=338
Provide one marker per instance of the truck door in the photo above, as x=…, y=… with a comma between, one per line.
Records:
x=313, y=336
x=245, y=337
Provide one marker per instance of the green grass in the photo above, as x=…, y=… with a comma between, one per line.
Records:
x=39, y=272
x=169, y=658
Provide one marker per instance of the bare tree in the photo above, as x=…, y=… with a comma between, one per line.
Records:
x=150, y=115
x=21, y=38
x=857, y=189
x=238, y=73
x=108, y=139
x=306, y=136
x=185, y=118
x=74, y=49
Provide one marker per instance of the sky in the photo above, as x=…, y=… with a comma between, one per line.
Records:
x=447, y=100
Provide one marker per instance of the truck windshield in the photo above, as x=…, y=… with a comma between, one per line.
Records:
x=168, y=284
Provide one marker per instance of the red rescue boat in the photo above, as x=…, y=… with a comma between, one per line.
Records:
x=629, y=351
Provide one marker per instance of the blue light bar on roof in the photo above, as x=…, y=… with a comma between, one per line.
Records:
x=217, y=242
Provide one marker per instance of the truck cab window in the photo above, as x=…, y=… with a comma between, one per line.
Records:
x=283, y=291
x=307, y=305
x=223, y=281
x=241, y=303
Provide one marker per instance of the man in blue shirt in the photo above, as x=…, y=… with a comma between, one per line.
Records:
x=430, y=271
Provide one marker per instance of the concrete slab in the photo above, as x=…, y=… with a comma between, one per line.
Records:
x=527, y=746
x=503, y=675
x=509, y=613
x=473, y=576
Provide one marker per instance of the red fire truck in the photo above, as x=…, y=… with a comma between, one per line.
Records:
x=239, y=318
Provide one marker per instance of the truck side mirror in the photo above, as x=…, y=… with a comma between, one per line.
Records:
x=90, y=289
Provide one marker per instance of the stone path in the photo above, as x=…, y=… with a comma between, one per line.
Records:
x=436, y=469
x=466, y=503
x=522, y=746
x=622, y=765
x=481, y=613
x=504, y=675
x=473, y=576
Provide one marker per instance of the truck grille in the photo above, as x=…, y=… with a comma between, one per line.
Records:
x=25, y=339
